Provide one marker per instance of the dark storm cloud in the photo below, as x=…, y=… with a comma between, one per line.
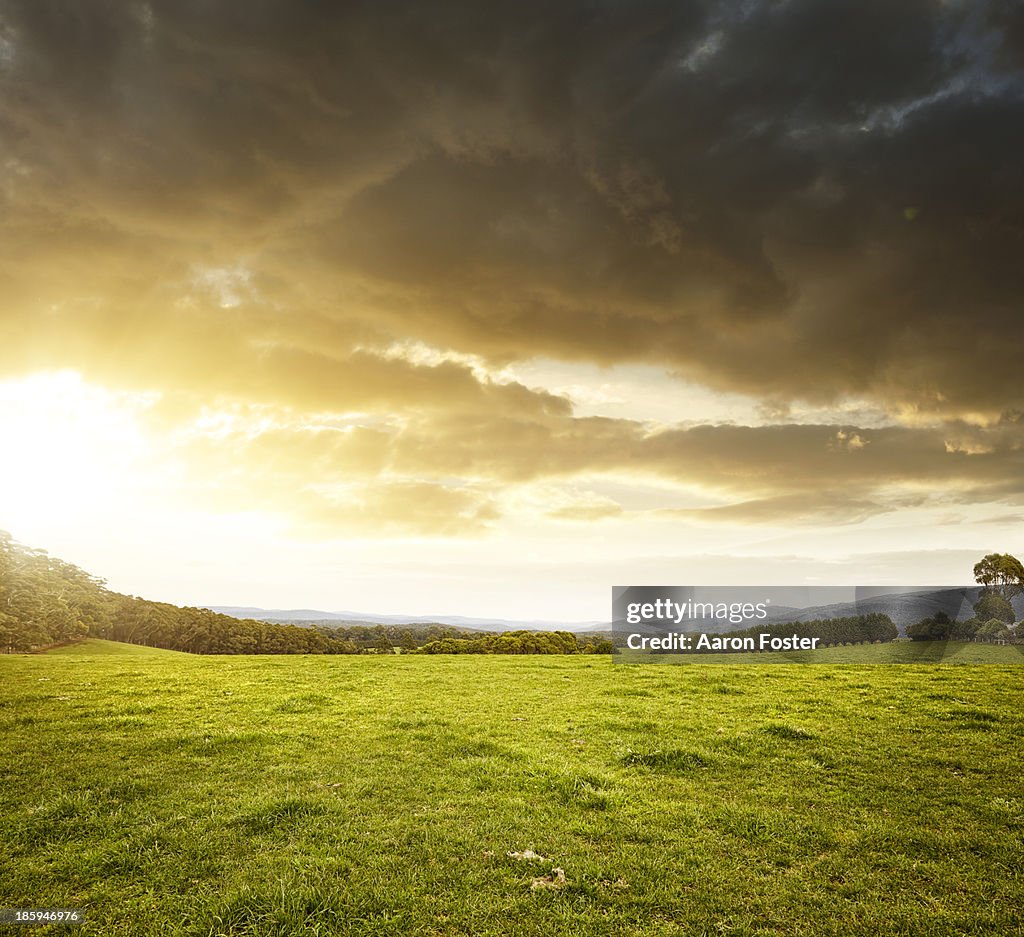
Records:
x=798, y=199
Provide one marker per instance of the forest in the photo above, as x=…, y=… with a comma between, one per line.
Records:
x=45, y=601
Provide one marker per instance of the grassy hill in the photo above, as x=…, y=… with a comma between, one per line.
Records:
x=174, y=794
x=97, y=647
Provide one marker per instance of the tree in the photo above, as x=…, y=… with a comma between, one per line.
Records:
x=994, y=630
x=931, y=629
x=1000, y=573
x=965, y=630
x=993, y=605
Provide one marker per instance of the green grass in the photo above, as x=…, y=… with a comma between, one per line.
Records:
x=171, y=794
x=894, y=652
x=93, y=647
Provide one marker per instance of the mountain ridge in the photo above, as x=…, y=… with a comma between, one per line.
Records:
x=308, y=615
x=904, y=608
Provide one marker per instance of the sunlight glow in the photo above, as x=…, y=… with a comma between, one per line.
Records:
x=69, y=449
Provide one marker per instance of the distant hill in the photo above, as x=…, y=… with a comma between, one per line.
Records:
x=316, y=616
x=905, y=608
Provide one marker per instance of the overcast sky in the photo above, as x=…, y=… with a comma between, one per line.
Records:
x=483, y=308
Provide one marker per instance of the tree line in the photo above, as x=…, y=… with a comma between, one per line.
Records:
x=385, y=639
x=851, y=629
x=45, y=601
x=522, y=642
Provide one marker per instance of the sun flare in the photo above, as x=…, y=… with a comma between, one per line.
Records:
x=71, y=449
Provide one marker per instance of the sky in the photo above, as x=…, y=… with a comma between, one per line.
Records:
x=481, y=309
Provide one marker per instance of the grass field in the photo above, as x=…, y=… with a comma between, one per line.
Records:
x=893, y=652
x=171, y=794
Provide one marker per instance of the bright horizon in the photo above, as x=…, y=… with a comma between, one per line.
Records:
x=123, y=509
